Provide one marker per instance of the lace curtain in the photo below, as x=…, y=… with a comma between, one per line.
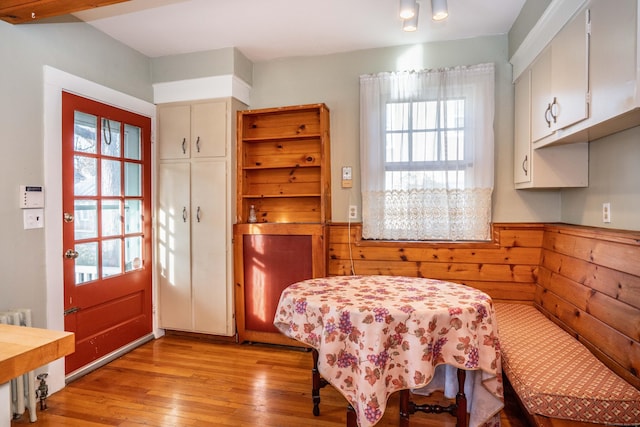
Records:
x=427, y=156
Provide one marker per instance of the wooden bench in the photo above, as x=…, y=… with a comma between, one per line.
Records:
x=572, y=355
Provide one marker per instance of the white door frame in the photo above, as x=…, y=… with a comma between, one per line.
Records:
x=55, y=81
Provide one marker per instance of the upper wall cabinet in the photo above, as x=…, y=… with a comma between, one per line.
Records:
x=559, y=80
x=560, y=166
x=571, y=103
x=614, y=65
x=193, y=130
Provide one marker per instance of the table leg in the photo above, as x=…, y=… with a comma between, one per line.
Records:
x=458, y=409
x=317, y=383
x=461, y=401
x=352, y=419
x=404, y=408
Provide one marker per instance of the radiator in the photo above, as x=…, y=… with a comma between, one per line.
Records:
x=23, y=388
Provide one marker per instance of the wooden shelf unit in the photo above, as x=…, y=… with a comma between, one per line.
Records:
x=284, y=172
x=283, y=158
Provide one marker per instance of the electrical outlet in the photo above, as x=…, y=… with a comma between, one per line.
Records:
x=606, y=212
x=353, y=212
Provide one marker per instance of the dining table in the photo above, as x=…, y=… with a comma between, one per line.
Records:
x=374, y=335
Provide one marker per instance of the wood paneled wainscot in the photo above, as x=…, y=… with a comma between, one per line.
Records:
x=505, y=267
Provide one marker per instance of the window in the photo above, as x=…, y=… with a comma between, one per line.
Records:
x=427, y=154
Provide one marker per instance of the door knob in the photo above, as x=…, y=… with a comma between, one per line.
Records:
x=71, y=254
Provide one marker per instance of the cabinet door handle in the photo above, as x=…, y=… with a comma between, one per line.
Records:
x=184, y=145
x=198, y=214
x=184, y=214
x=547, y=113
x=554, y=107
x=525, y=164
x=198, y=144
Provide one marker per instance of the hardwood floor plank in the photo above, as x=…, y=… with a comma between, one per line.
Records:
x=191, y=382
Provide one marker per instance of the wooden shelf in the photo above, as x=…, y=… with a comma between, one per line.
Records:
x=259, y=140
x=283, y=164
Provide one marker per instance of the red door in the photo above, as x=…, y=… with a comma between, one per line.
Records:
x=106, y=199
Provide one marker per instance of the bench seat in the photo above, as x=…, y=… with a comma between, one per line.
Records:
x=556, y=376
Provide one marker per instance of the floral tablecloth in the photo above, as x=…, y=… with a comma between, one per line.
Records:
x=376, y=335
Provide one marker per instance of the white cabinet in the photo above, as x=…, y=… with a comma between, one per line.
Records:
x=195, y=211
x=613, y=80
x=549, y=167
x=615, y=61
x=522, y=130
x=193, y=247
x=192, y=130
x=559, y=80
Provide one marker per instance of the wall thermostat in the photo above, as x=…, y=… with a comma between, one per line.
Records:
x=31, y=196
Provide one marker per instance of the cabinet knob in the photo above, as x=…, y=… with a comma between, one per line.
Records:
x=524, y=165
x=184, y=145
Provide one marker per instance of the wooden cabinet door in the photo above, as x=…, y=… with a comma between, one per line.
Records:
x=522, y=135
x=209, y=277
x=208, y=129
x=174, y=138
x=174, y=246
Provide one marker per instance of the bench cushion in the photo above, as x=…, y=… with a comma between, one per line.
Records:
x=556, y=376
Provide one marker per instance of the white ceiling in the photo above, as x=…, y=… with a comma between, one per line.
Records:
x=268, y=29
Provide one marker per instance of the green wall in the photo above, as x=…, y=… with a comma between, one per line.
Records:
x=75, y=48
x=334, y=80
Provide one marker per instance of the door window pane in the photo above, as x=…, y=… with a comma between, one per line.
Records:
x=85, y=219
x=111, y=257
x=132, y=142
x=133, y=253
x=86, y=266
x=110, y=178
x=110, y=138
x=132, y=179
x=111, y=218
x=84, y=177
x=84, y=132
x=132, y=216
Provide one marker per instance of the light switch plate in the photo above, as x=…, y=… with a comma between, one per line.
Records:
x=346, y=172
x=347, y=177
x=33, y=218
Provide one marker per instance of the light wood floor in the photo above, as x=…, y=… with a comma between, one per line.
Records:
x=183, y=381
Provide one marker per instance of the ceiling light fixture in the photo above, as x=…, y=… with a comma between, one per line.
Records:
x=439, y=10
x=411, y=24
x=408, y=9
